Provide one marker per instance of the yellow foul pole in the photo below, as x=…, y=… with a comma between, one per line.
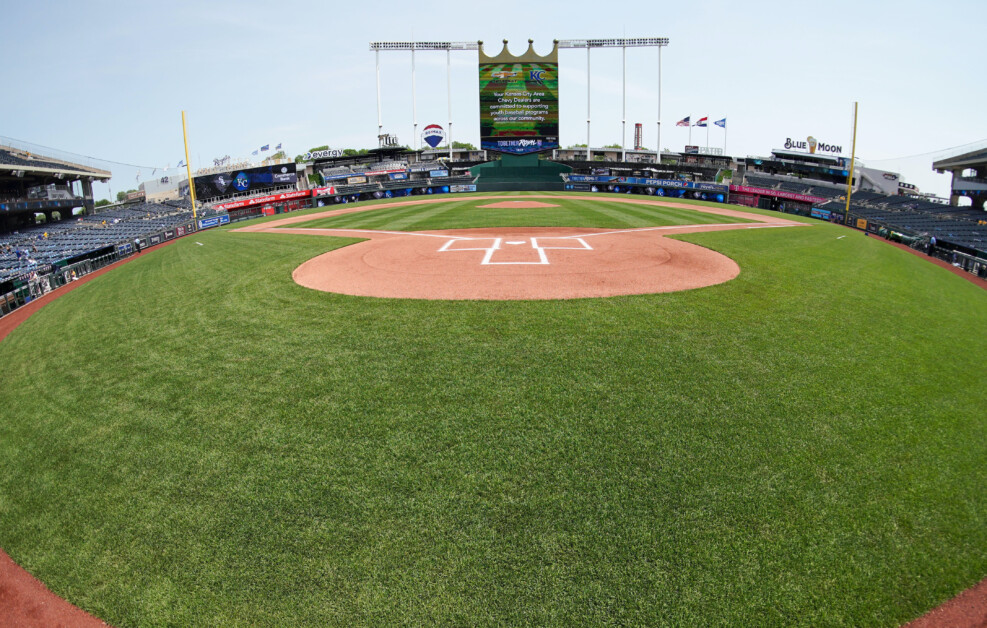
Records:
x=853, y=159
x=188, y=166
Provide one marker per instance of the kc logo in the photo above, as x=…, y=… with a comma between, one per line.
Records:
x=502, y=251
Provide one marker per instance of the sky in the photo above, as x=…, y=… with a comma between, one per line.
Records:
x=110, y=80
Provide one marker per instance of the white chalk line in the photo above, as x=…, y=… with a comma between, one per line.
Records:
x=734, y=225
x=489, y=251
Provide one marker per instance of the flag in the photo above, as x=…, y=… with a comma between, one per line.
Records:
x=702, y=121
x=265, y=147
x=683, y=122
x=254, y=153
x=278, y=147
x=721, y=123
x=181, y=164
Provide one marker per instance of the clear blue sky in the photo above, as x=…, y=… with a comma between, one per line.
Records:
x=110, y=80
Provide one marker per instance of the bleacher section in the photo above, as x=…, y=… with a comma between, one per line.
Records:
x=9, y=158
x=827, y=192
x=761, y=182
x=29, y=249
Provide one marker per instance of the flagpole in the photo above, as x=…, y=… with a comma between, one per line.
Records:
x=724, y=136
x=188, y=166
x=690, y=133
x=707, y=137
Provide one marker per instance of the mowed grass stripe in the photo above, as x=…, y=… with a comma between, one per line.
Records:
x=377, y=218
x=472, y=214
x=427, y=214
x=641, y=216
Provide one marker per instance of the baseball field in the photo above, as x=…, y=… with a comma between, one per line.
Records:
x=196, y=439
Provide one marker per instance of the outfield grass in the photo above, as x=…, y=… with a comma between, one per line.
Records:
x=195, y=439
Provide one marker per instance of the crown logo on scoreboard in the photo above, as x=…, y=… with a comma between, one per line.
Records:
x=529, y=56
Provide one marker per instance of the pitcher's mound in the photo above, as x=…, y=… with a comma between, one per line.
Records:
x=518, y=205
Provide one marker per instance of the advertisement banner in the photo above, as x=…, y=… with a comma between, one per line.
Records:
x=337, y=177
x=463, y=188
x=323, y=191
x=260, y=200
x=433, y=135
x=356, y=180
x=324, y=154
x=438, y=173
x=861, y=223
x=519, y=102
x=788, y=196
x=208, y=223
x=662, y=183
x=824, y=214
x=246, y=180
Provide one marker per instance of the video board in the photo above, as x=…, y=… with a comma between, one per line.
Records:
x=245, y=180
x=519, y=102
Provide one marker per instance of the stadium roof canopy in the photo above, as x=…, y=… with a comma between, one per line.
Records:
x=17, y=162
x=972, y=159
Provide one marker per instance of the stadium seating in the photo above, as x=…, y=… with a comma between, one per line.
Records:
x=761, y=182
x=72, y=238
x=11, y=159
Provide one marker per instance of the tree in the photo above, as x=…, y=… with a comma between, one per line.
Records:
x=613, y=146
x=576, y=146
x=103, y=202
x=463, y=145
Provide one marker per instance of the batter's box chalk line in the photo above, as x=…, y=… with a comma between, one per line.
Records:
x=515, y=251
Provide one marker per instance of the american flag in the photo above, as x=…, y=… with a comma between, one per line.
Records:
x=683, y=122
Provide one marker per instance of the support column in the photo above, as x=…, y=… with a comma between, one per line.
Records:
x=623, y=115
x=380, y=125
x=414, y=103
x=87, y=197
x=954, y=199
x=589, y=154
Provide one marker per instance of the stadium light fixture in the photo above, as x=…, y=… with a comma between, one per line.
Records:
x=447, y=46
x=623, y=43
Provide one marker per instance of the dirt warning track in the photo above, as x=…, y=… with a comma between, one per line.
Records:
x=517, y=263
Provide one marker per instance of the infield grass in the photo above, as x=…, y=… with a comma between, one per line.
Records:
x=467, y=212
x=193, y=439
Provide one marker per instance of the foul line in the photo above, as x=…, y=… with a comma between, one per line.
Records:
x=733, y=225
x=738, y=225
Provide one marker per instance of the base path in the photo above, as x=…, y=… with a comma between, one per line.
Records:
x=518, y=263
